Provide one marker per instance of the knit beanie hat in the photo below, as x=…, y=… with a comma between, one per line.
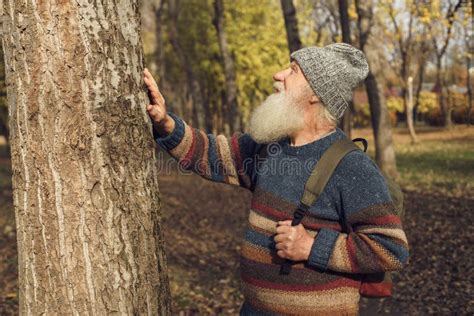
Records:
x=333, y=72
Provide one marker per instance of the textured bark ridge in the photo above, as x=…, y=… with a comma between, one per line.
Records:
x=84, y=177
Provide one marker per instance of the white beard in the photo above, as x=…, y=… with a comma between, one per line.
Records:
x=277, y=117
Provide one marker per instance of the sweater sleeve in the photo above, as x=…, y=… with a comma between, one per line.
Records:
x=217, y=158
x=377, y=242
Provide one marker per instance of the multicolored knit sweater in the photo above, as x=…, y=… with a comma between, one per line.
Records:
x=328, y=283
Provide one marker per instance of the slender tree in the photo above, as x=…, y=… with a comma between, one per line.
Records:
x=404, y=39
x=3, y=96
x=442, y=26
x=424, y=50
x=192, y=84
x=233, y=117
x=346, y=38
x=159, y=9
x=469, y=80
x=291, y=25
x=85, y=189
x=375, y=86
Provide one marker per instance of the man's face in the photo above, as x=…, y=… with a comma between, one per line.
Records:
x=282, y=113
x=294, y=81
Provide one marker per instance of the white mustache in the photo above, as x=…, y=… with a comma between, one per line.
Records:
x=278, y=86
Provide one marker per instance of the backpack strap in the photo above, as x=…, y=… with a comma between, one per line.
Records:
x=317, y=181
x=363, y=141
x=324, y=169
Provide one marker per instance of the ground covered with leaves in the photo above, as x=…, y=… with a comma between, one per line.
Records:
x=204, y=221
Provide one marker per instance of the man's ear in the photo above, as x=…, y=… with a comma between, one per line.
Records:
x=314, y=99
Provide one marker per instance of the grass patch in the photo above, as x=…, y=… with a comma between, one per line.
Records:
x=445, y=166
x=441, y=162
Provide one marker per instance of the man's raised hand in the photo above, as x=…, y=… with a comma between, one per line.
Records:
x=162, y=122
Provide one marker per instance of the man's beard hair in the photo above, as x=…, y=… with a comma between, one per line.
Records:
x=277, y=117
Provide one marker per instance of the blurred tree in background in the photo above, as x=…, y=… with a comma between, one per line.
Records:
x=440, y=18
x=3, y=99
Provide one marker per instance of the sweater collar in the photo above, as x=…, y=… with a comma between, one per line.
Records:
x=315, y=148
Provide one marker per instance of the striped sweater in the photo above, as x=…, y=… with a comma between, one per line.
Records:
x=326, y=284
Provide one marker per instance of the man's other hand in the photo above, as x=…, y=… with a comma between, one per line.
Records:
x=292, y=242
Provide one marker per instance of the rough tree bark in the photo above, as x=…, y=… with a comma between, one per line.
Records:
x=229, y=68
x=291, y=25
x=374, y=84
x=346, y=38
x=85, y=188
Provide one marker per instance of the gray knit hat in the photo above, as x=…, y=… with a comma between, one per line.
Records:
x=333, y=72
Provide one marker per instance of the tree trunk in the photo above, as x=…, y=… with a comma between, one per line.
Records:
x=85, y=189
x=160, y=53
x=374, y=85
x=407, y=95
x=346, y=38
x=229, y=68
x=3, y=96
x=421, y=75
x=441, y=96
x=206, y=104
x=384, y=152
x=291, y=25
x=469, y=88
x=450, y=14
x=408, y=105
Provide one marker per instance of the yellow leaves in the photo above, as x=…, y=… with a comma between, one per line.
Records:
x=425, y=19
x=428, y=101
x=435, y=7
x=398, y=36
x=257, y=36
x=395, y=104
x=445, y=23
x=352, y=11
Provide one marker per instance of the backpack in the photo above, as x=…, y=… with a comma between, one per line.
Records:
x=372, y=284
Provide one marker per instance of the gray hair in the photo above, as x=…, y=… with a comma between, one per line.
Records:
x=324, y=113
x=327, y=116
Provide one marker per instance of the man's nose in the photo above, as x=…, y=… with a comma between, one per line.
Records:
x=279, y=76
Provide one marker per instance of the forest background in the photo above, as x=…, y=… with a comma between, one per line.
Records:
x=214, y=62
